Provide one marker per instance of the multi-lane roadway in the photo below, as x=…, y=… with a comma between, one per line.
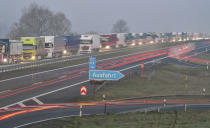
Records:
x=63, y=84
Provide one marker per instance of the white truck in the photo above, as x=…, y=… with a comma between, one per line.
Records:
x=89, y=43
x=121, y=40
x=55, y=46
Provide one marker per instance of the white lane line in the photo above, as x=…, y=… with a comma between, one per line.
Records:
x=79, y=65
x=19, y=126
x=62, y=77
x=37, y=83
x=37, y=101
x=5, y=91
x=21, y=104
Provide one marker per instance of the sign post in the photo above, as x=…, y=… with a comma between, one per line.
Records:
x=105, y=75
x=92, y=63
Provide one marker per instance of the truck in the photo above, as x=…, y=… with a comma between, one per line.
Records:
x=108, y=41
x=10, y=51
x=121, y=40
x=89, y=43
x=130, y=41
x=33, y=49
x=72, y=44
x=55, y=46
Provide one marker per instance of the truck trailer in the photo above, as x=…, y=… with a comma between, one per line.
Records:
x=121, y=42
x=10, y=51
x=33, y=48
x=108, y=41
x=72, y=44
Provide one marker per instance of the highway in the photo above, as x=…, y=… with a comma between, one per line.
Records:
x=63, y=85
x=22, y=89
x=36, y=114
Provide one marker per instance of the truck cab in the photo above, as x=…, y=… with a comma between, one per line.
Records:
x=3, y=52
x=33, y=49
x=49, y=46
x=10, y=51
x=89, y=43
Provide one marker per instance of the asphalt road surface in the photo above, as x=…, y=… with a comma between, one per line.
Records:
x=50, y=87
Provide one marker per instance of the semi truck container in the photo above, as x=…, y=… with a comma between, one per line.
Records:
x=33, y=48
x=55, y=46
x=72, y=43
x=89, y=43
x=108, y=41
x=130, y=40
x=121, y=42
x=10, y=51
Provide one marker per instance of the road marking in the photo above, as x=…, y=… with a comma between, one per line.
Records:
x=21, y=104
x=62, y=77
x=37, y=83
x=59, y=117
x=37, y=101
x=5, y=91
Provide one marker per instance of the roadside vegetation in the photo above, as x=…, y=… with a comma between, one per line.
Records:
x=163, y=80
x=180, y=119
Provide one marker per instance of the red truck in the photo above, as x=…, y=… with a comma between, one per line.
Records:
x=108, y=41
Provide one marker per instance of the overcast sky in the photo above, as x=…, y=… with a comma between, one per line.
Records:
x=100, y=15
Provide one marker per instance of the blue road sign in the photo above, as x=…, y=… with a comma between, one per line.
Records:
x=92, y=63
x=92, y=58
x=105, y=75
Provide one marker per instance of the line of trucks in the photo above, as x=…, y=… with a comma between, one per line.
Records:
x=28, y=49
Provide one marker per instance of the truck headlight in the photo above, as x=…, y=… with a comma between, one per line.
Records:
x=151, y=42
x=133, y=44
x=140, y=43
x=107, y=47
x=64, y=52
x=5, y=60
x=33, y=57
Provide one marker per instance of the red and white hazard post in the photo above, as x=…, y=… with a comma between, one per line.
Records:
x=83, y=91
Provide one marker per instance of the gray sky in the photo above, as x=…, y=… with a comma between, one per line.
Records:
x=100, y=15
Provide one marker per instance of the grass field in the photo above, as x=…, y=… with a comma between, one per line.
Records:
x=180, y=119
x=205, y=56
x=165, y=80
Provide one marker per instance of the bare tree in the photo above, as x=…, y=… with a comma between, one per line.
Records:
x=60, y=25
x=120, y=27
x=40, y=21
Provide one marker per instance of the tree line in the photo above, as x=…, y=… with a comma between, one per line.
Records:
x=38, y=20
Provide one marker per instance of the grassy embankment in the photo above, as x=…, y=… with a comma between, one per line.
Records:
x=165, y=80
x=190, y=119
